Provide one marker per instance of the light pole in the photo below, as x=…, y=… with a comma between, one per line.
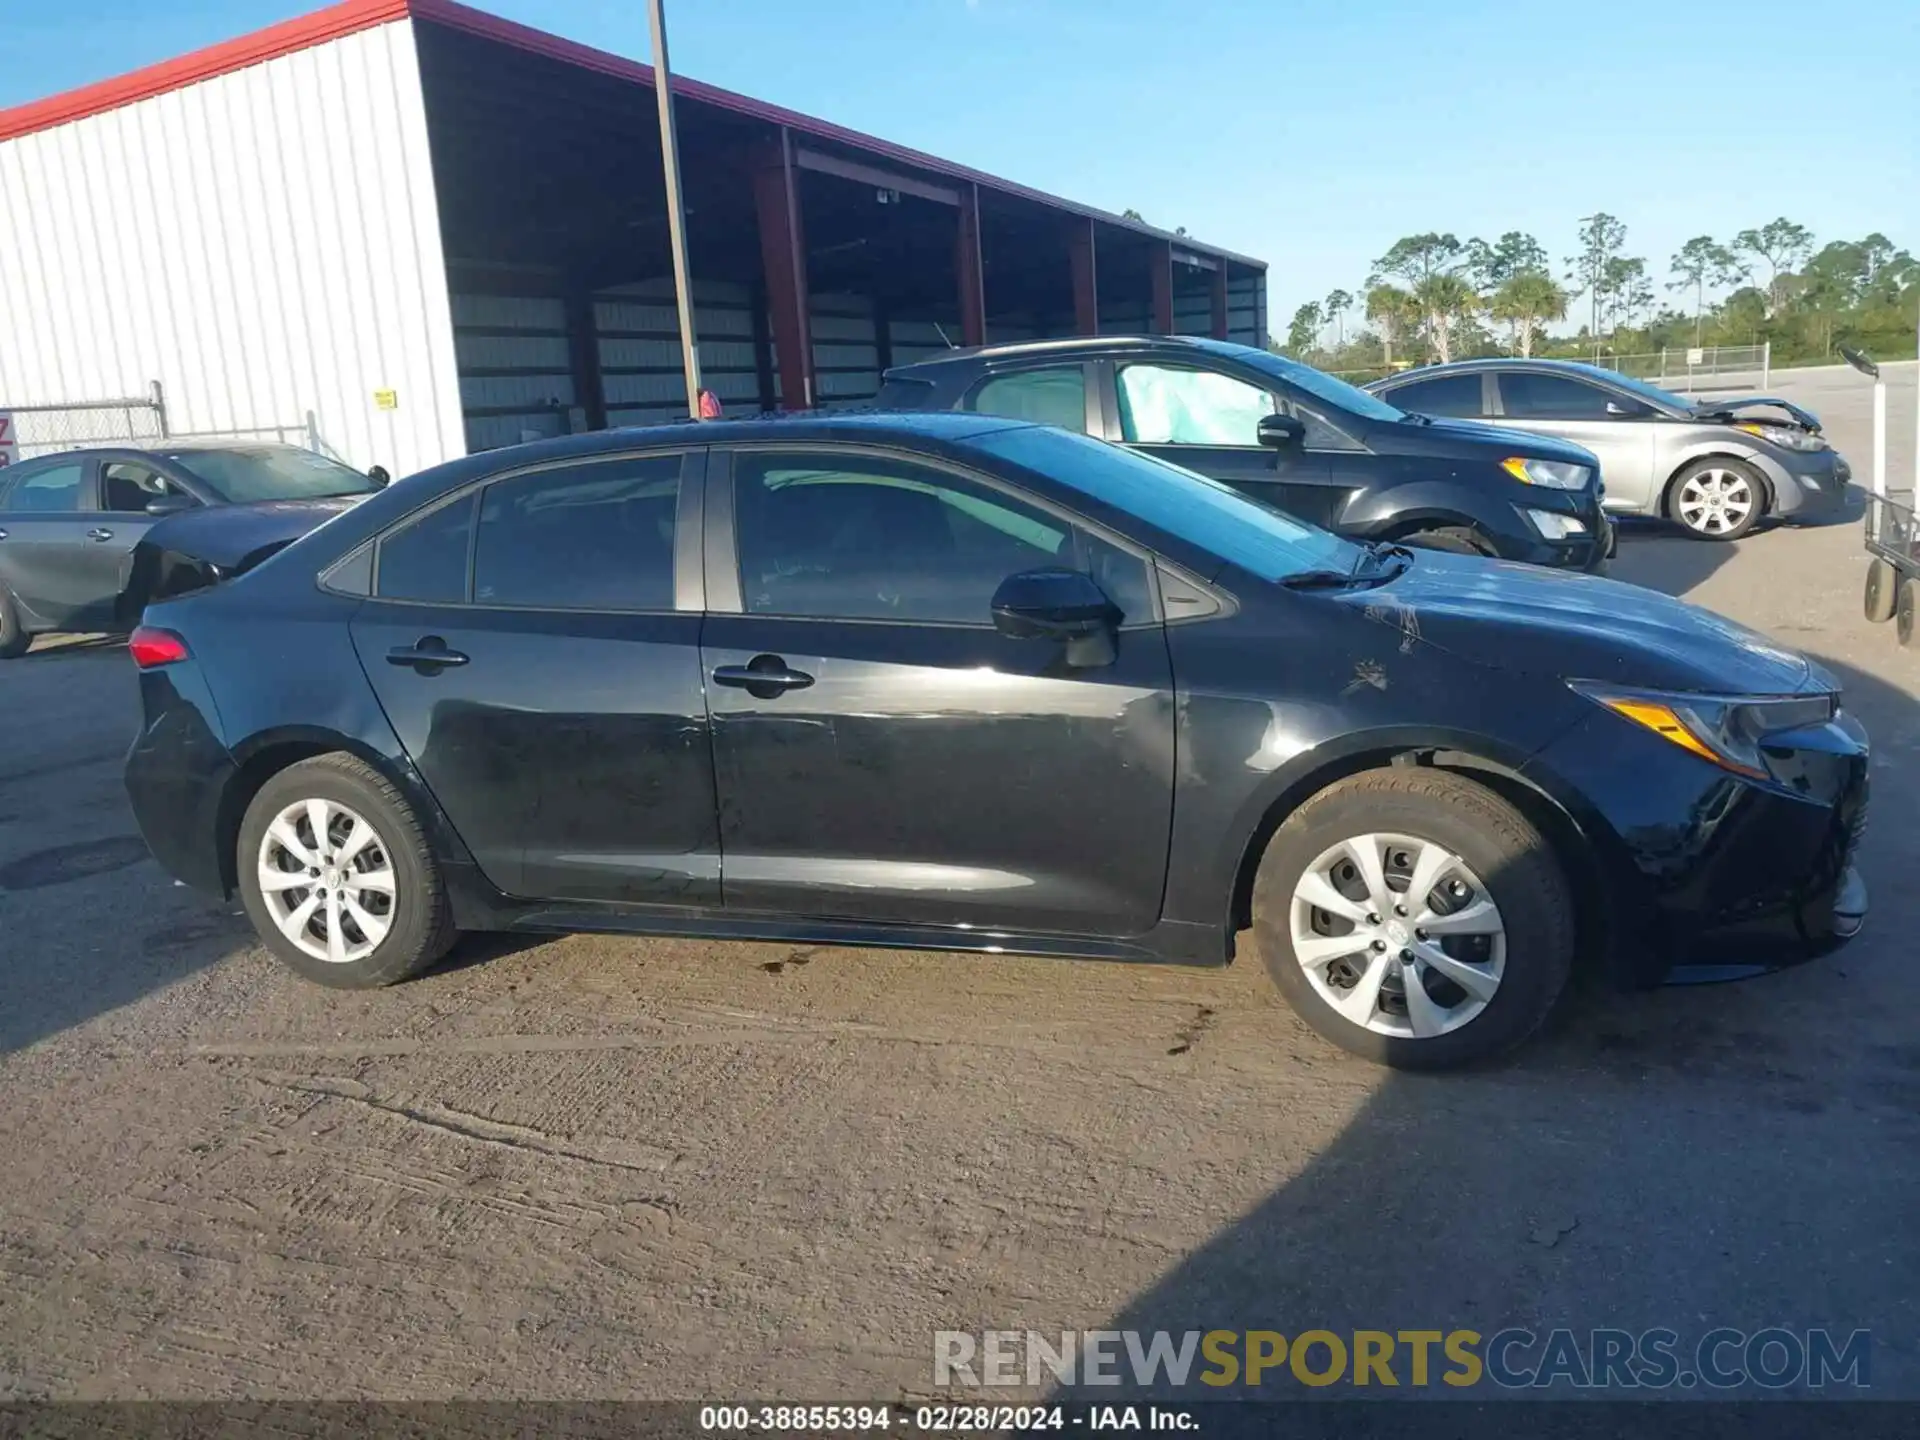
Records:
x=676, y=210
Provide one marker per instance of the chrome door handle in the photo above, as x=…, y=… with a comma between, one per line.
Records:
x=98, y=533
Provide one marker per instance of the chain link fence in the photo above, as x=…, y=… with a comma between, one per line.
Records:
x=137, y=421
x=1703, y=367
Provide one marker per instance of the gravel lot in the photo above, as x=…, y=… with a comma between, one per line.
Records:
x=596, y=1167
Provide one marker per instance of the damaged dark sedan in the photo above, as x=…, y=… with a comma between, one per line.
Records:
x=957, y=683
x=88, y=537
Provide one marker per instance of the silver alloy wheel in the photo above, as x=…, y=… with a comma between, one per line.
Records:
x=1714, y=501
x=326, y=877
x=1398, y=935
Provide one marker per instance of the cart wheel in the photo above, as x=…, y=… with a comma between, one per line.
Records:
x=1908, y=600
x=1882, y=579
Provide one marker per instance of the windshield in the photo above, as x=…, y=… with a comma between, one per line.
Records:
x=241, y=474
x=1323, y=386
x=1645, y=389
x=1200, y=511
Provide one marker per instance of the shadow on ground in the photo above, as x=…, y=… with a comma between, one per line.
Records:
x=1734, y=1155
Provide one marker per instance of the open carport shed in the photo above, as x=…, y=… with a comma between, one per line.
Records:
x=432, y=230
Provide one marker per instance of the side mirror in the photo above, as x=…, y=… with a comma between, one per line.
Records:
x=378, y=474
x=167, y=505
x=1062, y=605
x=1282, y=432
x=1626, y=410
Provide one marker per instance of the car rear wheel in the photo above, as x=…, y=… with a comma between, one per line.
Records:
x=338, y=878
x=1903, y=609
x=1881, y=598
x=1718, y=499
x=14, y=638
x=1455, y=539
x=1415, y=918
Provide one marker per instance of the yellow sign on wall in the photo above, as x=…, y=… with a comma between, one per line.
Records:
x=386, y=399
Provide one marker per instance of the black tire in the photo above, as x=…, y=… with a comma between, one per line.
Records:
x=420, y=918
x=1905, y=601
x=14, y=638
x=1516, y=865
x=1454, y=539
x=1880, y=599
x=1759, y=499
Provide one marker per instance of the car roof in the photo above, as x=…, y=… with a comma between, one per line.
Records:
x=1502, y=362
x=1074, y=345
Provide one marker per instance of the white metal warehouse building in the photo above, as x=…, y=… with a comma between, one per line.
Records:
x=401, y=230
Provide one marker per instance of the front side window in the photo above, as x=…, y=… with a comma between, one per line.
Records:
x=1053, y=395
x=46, y=489
x=130, y=487
x=860, y=537
x=1449, y=396
x=426, y=560
x=1536, y=395
x=587, y=537
x=1167, y=405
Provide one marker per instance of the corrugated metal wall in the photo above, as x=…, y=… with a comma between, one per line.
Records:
x=1247, y=310
x=265, y=243
x=638, y=330
x=516, y=369
x=846, y=351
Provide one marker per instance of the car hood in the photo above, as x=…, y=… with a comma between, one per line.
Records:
x=1459, y=436
x=237, y=537
x=1746, y=405
x=1580, y=627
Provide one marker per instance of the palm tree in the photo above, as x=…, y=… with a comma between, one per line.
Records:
x=1338, y=303
x=1393, y=310
x=1525, y=302
x=1444, y=298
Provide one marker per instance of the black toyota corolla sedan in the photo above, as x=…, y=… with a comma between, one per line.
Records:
x=954, y=682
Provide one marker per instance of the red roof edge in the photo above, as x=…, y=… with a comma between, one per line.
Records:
x=300, y=33
x=350, y=16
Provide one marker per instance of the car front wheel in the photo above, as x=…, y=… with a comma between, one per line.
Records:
x=1415, y=918
x=337, y=877
x=1717, y=499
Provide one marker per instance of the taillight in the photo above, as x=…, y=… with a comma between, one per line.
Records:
x=151, y=647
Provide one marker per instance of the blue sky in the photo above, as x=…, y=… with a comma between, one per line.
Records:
x=1309, y=134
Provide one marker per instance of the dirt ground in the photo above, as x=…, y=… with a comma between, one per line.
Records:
x=595, y=1167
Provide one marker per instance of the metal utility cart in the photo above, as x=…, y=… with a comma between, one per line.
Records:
x=1892, y=524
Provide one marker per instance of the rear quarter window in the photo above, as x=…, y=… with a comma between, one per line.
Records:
x=426, y=559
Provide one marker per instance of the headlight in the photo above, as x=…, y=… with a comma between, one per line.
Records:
x=1786, y=437
x=1554, y=474
x=1556, y=526
x=1727, y=730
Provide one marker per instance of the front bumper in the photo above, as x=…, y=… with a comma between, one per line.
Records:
x=1710, y=876
x=1807, y=485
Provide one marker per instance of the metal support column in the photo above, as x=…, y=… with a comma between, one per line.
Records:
x=1161, y=262
x=1217, y=285
x=776, y=203
x=973, y=292
x=1086, y=280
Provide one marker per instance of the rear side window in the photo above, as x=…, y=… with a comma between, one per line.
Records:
x=46, y=489
x=427, y=559
x=1535, y=395
x=1452, y=396
x=589, y=537
x=1054, y=395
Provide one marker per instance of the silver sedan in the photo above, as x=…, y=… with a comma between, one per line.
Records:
x=1716, y=466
